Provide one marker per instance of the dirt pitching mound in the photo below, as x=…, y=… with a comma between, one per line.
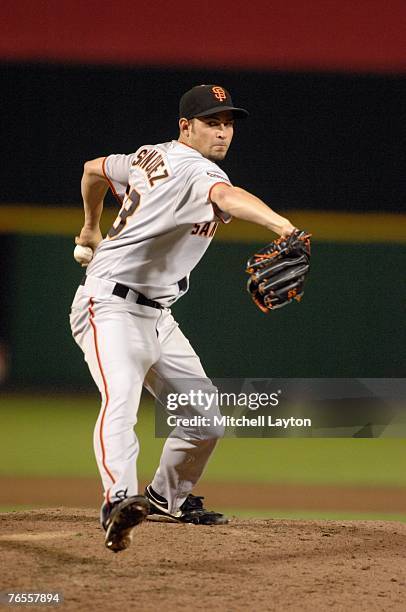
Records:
x=246, y=565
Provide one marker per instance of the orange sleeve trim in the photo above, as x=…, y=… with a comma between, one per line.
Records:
x=113, y=191
x=224, y=217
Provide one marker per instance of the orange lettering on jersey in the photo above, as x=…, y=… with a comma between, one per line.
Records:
x=151, y=162
x=147, y=159
x=205, y=230
x=219, y=93
x=140, y=157
x=154, y=179
x=213, y=229
x=154, y=165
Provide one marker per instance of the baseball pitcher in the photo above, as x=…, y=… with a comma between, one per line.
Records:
x=172, y=196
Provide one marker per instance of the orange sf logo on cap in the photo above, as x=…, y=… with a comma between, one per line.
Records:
x=219, y=93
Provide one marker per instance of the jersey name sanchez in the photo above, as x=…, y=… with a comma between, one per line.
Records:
x=166, y=221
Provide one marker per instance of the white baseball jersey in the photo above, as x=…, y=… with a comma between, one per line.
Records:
x=166, y=221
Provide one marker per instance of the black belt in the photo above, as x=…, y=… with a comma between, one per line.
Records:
x=122, y=291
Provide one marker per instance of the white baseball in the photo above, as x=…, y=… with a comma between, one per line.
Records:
x=83, y=255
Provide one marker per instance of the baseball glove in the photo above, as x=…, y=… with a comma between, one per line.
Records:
x=278, y=271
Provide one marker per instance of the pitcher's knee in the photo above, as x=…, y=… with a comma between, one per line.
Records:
x=215, y=429
x=207, y=429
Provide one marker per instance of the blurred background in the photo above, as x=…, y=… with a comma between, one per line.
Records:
x=325, y=83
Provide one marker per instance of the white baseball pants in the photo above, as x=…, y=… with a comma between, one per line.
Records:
x=126, y=346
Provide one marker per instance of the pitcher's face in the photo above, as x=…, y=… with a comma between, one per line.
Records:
x=211, y=135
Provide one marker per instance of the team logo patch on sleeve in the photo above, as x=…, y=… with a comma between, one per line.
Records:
x=216, y=175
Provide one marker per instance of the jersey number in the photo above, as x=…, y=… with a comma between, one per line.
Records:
x=131, y=202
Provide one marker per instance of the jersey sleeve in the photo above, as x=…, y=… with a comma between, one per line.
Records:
x=116, y=169
x=195, y=205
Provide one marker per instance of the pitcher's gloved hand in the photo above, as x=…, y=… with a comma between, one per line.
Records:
x=279, y=270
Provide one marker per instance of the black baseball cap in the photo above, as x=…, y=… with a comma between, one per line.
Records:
x=204, y=100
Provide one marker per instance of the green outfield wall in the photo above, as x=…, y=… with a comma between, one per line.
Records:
x=348, y=324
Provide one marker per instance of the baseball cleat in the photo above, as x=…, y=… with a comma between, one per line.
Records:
x=191, y=511
x=121, y=519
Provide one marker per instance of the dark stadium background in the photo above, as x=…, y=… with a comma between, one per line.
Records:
x=326, y=88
